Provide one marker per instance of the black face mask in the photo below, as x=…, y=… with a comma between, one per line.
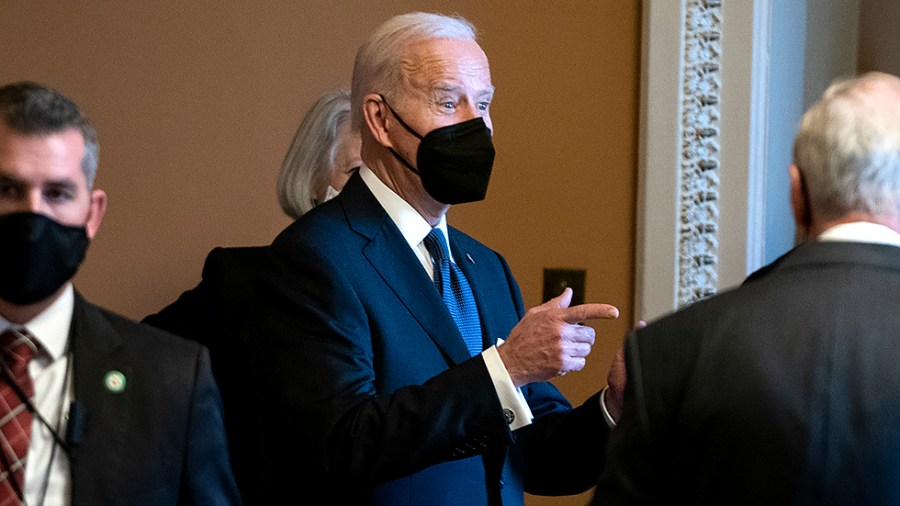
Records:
x=454, y=162
x=37, y=256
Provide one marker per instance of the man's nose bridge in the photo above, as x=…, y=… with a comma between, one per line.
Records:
x=472, y=111
x=33, y=200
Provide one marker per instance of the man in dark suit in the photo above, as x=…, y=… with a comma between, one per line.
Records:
x=377, y=391
x=209, y=314
x=322, y=156
x=97, y=409
x=785, y=390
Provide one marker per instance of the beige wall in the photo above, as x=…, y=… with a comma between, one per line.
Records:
x=879, y=45
x=196, y=103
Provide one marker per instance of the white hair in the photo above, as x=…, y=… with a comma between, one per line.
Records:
x=308, y=161
x=379, y=59
x=848, y=148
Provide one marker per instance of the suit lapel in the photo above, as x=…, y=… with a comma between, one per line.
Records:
x=104, y=404
x=390, y=256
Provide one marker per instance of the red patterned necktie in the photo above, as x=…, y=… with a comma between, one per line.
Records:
x=15, y=417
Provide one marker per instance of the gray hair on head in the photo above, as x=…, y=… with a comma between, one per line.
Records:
x=379, y=60
x=311, y=155
x=848, y=148
x=33, y=109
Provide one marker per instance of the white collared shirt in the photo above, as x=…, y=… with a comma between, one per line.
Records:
x=861, y=231
x=48, y=372
x=414, y=228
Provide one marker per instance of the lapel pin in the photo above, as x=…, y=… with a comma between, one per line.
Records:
x=114, y=382
x=469, y=256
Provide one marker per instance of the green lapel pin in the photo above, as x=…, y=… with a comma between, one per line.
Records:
x=114, y=382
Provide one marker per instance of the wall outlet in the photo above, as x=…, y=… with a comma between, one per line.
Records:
x=556, y=280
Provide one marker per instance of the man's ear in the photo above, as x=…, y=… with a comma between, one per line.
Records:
x=376, y=116
x=96, y=212
x=800, y=199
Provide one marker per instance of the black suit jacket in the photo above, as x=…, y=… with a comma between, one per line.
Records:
x=372, y=397
x=210, y=314
x=161, y=439
x=783, y=391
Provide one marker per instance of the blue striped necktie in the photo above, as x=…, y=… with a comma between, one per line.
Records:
x=455, y=290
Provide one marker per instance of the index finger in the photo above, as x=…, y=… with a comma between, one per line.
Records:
x=582, y=312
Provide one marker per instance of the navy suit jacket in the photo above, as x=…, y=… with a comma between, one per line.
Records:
x=783, y=391
x=159, y=441
x=372, y=396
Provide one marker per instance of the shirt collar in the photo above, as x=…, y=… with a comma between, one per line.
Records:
x=861, y=231
x=51, y=327
x=411, y=224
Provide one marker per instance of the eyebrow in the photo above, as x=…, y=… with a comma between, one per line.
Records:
x=64, y=184
x=8, y=179
x=451, y=88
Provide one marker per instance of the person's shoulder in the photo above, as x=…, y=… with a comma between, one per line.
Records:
x=235, y=254
x=324, y=219
x=147, y=339
x=233, y=262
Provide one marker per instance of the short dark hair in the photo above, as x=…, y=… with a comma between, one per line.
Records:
x=33, y=109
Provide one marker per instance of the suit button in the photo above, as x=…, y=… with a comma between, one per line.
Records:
x=509, y=415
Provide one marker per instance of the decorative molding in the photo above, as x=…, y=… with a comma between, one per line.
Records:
x=702, y=149
x=698, y=253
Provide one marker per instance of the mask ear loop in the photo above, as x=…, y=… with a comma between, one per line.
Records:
x=408, y=129
x=403, y=123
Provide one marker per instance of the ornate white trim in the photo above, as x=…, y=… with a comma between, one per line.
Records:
x=699, y=213
x=702, y=149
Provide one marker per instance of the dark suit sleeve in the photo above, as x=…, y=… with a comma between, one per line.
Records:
x=207, y=473
x=195, y=314
x=631, y=469
x=640, y=462
x=565, y=449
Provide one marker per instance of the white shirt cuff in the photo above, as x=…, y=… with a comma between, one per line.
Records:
x=515, y=407
x=606, y=416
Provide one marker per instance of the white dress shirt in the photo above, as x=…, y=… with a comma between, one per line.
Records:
x=48, y=372
x=861, y=231
x=414, y=228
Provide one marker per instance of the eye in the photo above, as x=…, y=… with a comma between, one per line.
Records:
x=8, y=190
x=57, y=195
x=448, y=105
x=483, y=106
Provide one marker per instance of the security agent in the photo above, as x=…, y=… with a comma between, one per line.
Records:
x=98, y=409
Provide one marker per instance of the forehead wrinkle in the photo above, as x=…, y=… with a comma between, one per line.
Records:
x=429, y=72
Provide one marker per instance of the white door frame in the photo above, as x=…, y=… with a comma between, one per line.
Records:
x=701, y=205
